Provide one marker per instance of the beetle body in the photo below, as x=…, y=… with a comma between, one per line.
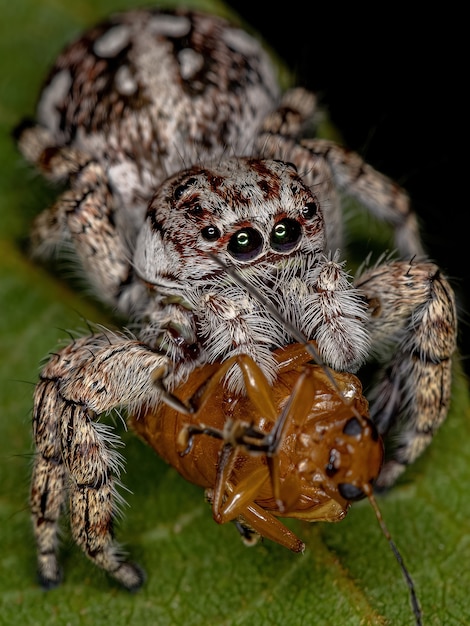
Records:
x=328, y=444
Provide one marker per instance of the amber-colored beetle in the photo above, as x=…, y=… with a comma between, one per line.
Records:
x=324, y=454
x=303, y=447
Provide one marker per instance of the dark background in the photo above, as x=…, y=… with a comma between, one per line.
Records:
x=393, y=82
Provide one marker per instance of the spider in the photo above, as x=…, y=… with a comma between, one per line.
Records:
x=181, y=159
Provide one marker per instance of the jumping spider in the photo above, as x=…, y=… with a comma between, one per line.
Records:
x=179, y=152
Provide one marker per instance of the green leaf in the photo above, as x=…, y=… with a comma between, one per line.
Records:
x=198, y=573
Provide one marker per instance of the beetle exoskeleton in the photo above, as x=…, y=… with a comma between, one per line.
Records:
x=327, y=451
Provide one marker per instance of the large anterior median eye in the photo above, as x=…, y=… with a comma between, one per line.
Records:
x=245, y=244
x=285, y=235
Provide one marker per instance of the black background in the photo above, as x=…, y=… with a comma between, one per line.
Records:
x=393, y=81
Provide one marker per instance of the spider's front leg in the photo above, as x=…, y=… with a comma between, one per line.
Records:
x=92, y=375
x=413, y=322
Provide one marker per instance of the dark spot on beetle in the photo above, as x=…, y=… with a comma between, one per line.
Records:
x=331, y=468
x=351, y=492
x=352, y=427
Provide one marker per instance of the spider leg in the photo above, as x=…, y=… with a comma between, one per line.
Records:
x=328, y=167
x=279, y=139
x=76, y=453
x=383, y=197
x=413, y=321
x=296, y=110
x=86, y=215
x=47, y=487
x=39, y=146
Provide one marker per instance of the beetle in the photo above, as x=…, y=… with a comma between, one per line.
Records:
x=304, y=447
x=325, y=440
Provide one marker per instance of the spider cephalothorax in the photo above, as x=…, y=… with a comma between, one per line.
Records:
x=195, y=208
x=260, y=217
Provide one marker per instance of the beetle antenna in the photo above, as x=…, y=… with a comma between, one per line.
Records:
x=409, y=581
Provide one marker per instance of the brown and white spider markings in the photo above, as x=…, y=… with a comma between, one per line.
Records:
x=176, y=145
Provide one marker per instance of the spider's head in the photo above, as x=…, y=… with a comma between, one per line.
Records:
x=249, y=213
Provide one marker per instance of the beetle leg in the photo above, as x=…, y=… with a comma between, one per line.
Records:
x=260, y=523
x=228, y=500
x=242, y=437
x=270, y=527
x=412, y=319
x=225, y=465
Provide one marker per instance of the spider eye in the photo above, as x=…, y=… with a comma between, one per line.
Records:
x=285, y=235
x=309, y=210
x=196, y=210
x=180, y=189
x=210, y=233
x=245, y=244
